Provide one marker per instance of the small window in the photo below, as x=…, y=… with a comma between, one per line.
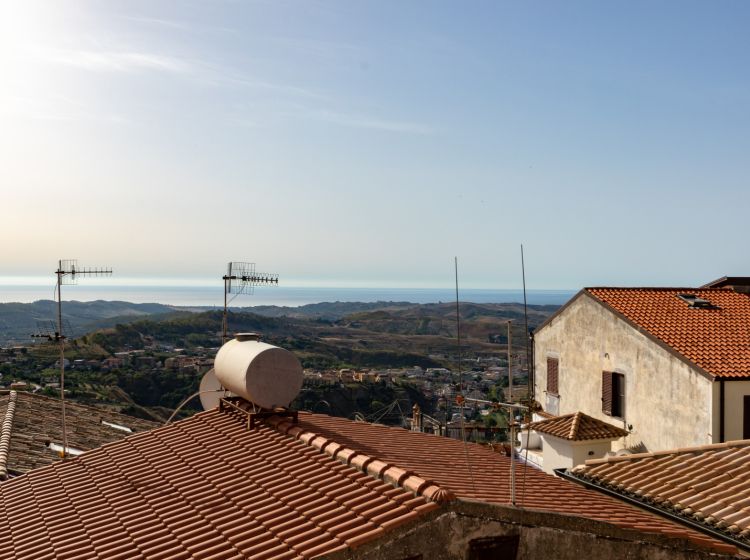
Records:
x=492, y=548
x=696, y=302
x=553, y=368
x=613, y=394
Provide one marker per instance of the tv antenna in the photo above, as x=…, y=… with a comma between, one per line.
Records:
x=68, y=273
x=241, y=278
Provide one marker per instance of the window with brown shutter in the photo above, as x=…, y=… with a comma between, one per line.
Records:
x=607, y=392
x=613, y=394
x=553, y=367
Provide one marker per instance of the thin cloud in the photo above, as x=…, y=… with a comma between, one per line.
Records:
x=179, y=25
x=358, y=121
x=113, y=61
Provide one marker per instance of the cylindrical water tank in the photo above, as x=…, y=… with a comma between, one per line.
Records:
x=263, y=374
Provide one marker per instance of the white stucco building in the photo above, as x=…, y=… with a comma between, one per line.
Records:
x=670, y=365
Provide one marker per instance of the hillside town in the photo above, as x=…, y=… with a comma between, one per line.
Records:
x=630, y=437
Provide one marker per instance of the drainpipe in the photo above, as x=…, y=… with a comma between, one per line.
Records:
x=721, y=410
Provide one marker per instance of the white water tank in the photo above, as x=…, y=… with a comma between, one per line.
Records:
x=265, y=375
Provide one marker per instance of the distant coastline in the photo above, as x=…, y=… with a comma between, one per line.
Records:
x=286, y=296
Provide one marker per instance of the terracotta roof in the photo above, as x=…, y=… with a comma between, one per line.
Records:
x=208, y=487
x=444, y=461
x=716, y=339
x=205, y=487
x=709, y=484
x=30, y=422
x=578, y=427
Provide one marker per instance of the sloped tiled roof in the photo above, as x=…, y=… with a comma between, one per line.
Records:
x=715, y=339
x=709, y=484
x=444, y=461
x=578, y=426
x=208, y=487
x=204, y=487
x=35, y=422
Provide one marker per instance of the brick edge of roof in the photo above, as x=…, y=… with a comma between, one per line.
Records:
x=374, y=467
x=679, y=451
x=5, y=432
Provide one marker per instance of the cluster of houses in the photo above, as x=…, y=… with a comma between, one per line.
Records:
x=639, y=448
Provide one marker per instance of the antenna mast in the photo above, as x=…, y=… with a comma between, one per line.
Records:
x=529, y=336
x=67, y=273
x=241, y=278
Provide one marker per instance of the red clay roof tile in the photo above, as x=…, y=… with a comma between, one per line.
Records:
x=208, y=487
x=691, y=482
x=578, y=426
x=715, y=338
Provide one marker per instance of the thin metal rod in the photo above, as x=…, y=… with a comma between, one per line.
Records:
x=509, y=398
x=458, y=329
x=224, y=326
x=529, y=364
x=513, y=462
x=61, y=339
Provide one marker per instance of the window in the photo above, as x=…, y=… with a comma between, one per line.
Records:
x=493, y=548
x=553, y=367
x=613, y=394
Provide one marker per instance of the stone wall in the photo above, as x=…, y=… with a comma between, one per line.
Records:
x=453, y=531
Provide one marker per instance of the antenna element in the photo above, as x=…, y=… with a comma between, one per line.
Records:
x=241, y=278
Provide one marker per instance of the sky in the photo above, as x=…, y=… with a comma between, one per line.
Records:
x=358, y=143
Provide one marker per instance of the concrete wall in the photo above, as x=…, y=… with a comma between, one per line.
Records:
x=668, y=403
x=560, y=453
x=734, y=393
x=447, y=533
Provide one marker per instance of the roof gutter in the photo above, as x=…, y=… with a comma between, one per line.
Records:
x=697, y=525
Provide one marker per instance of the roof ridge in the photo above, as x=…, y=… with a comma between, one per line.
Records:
x=5, y=431
x=660, y=288
x=575, y=421
x=662, y=453
x=374, y=467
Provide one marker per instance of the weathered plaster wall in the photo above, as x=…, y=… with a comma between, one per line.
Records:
x=446, y=534
x=559, y=453
x=667, y=402
x=734, y=393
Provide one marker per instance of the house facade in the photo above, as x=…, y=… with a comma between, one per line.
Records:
x=669, y=365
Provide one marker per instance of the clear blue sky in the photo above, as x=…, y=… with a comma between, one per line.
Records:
x=367, y=143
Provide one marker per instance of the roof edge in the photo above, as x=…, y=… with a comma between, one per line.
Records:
x=678, y=451
x=648, y=334
x=5, y=430
x=666, y=512
x=374, y=467
x=559, y=311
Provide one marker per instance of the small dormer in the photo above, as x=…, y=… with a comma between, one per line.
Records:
x=695, y=302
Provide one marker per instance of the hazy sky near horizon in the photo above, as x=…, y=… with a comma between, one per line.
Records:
x=368, y=143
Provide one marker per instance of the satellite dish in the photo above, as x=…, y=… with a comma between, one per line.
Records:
x=210, y=390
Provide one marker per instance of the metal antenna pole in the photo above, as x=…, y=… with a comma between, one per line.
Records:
x=458, y=329
x=68, y=268
x=61, y=340
x=245, y=273
x=529, y=357
x=510, y=368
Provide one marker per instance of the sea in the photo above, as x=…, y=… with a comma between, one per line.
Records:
x=285, y=296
